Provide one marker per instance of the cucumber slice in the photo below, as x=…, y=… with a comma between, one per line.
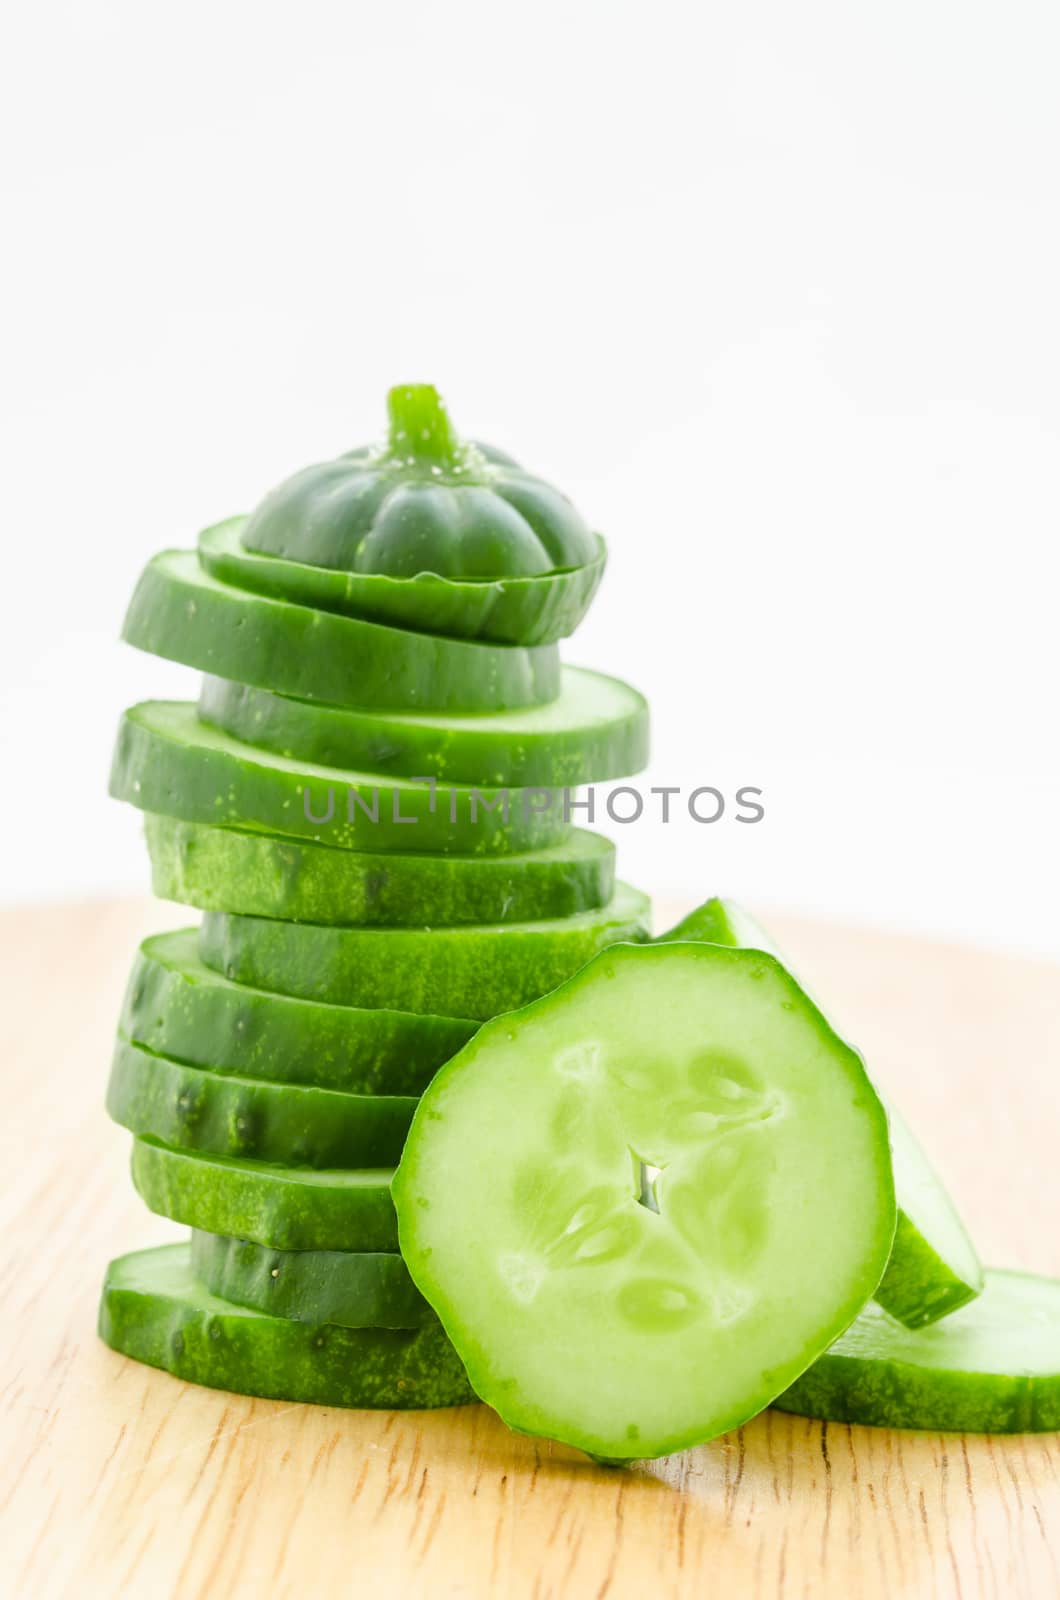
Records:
x=155, y=1311
x=292, y=1208
x=177, y=1007
x=991, y=1367
x=354, y=1290
x=477, y=971
x=596, y=729
x=181, y=612
x=933, y=1267
x=674, y=1191
x=168, y=762
x=194, y=1109
x=508, y=610
x=225, y=869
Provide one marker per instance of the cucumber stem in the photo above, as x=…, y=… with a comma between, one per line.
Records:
x=419, y=425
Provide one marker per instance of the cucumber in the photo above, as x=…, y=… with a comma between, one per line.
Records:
x=476, y=971
x=991, y=1367
x=507, y=610
x=155, y=1311
x=177, y=1007
x=292, y=1208
x=354, y=1290
x=195, y=1109
x=933, y=1267
x=225, y=869
x=181, y=612
x=168, y=762
x=596, y=729
x=674, y=1193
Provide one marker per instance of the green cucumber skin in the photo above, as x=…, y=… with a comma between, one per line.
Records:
x=168, y=762
x=192, y=1108
x=165, y=1320
x=353, y=1290
x=225, y=869
x=269, y=1204
x=527, y=611
x=919, y=1287
x=182, y=613
x=479, y=971
x=177, y=1007
x=453, y=750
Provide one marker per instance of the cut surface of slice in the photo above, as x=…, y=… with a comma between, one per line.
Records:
x=993, y=1366
x=182, y=613
x=356, y=1290
x=155, y=1310
x=596, y=729
x=228, y=869
x=477, y=970
x=675, y=1191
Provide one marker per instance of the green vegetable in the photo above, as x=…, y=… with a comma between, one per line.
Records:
x=181, y=612
x=155, y=1311
x=193, y=1108
x=643, y=1205
x=356, y=1291
x=178, y=1007
x=991, y=1367
x=473, y=971
x=168, y=762
x=596, y=729
x=224, y=869
x=933, y=1267
x=292, y=1208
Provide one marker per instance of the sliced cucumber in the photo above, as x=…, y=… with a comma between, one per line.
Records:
x=179, y=611
x=991, y=1367
x=354, y=1290
x=596, y=729
x=168, y=762
x=178, y=1007
x=193, y=1108
x=154, y=1310
x=933, y=1267
x=477, y=971
x=226, y=869
x=674, y=1192
x=292, y=1208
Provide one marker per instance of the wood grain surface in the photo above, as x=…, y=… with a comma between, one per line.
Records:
x=120, y=1480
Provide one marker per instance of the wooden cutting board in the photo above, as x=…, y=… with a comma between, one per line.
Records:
x=121, y=1480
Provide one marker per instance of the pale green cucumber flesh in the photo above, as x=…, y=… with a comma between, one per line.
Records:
x=355, y=1290
x=687, y=1182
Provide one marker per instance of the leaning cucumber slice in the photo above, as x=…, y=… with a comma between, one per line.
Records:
x=154, y=1310
x=991, y=1367
x=354, y=1290
x=225, y=869
x=674, y=1191
x=933, y=1267
x=476, y=970
x=181, y=612
x=195, y=1109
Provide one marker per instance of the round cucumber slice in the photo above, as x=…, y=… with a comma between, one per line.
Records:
x=933, y=1267
x=293, y=1208
x=991, y=1367
x=195, y=1109
x=674, y=1192
x=225, y=869
x=478, y=971
x=507, y=610
x=168, y=762
x=178, y=1007
x=154, y=1310
x=181, y=612
x=596, y=729
x=354, y=1290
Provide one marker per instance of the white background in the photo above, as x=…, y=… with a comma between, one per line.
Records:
x=772, y=291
